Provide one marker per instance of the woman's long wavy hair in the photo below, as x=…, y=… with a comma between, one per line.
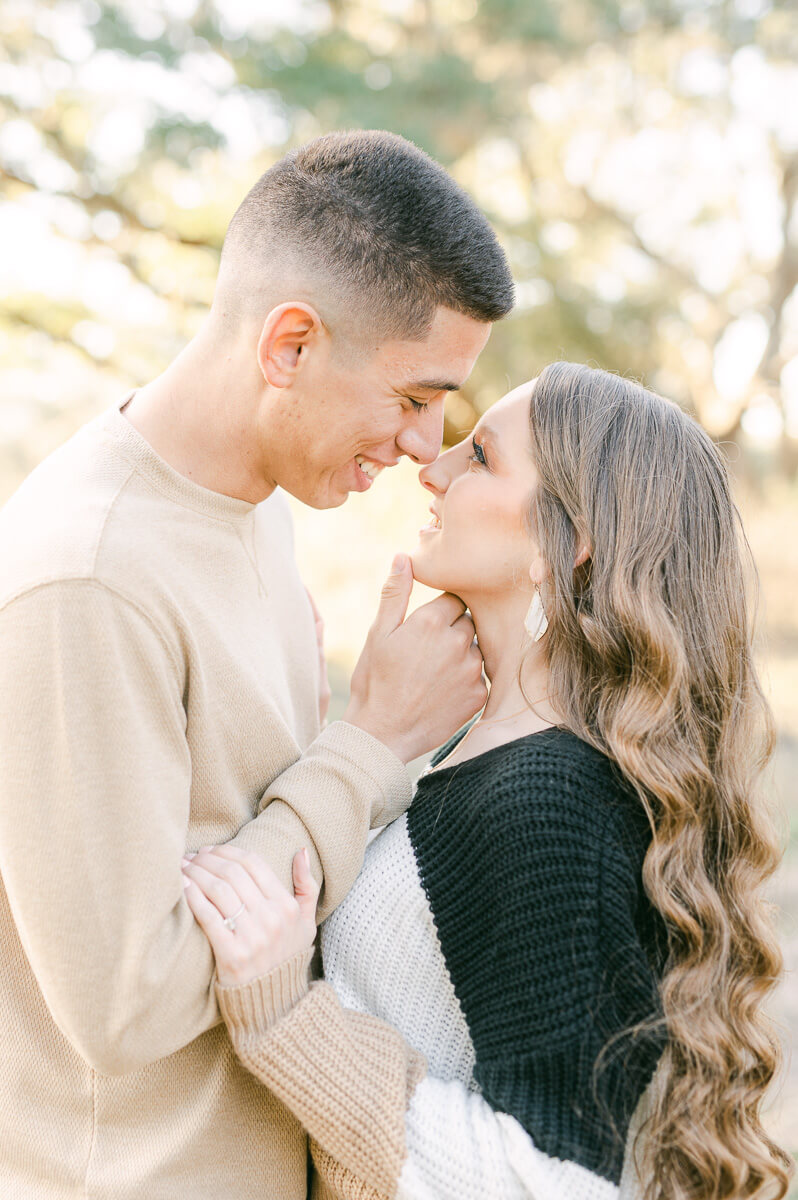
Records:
x=649, y=646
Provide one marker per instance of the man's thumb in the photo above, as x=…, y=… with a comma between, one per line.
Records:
x=395, y=595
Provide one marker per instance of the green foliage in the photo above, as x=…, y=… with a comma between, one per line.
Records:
x=626, y=151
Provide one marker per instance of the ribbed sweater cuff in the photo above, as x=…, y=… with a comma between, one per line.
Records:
x=388, y=773
x=251, y=1009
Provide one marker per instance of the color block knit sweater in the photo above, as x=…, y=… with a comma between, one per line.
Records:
x=498, y=936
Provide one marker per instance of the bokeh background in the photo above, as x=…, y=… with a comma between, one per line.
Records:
x=638, y=158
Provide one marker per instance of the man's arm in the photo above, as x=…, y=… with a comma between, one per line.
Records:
x=94, y=812
x=416, y=682
x=345, y=783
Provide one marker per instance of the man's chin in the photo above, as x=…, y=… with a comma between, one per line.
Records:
x=331, y=497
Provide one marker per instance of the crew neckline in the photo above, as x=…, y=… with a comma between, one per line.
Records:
x=178, y=488
x=479, y=758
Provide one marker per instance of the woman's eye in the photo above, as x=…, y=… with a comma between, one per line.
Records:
x=479, y=453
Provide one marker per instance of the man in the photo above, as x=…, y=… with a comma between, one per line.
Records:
x=159, y=671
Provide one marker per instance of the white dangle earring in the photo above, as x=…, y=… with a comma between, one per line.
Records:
x=535, y=621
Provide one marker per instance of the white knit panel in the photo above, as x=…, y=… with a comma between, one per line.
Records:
x=382, y=955
x=456, y=1149
x=550, y=1178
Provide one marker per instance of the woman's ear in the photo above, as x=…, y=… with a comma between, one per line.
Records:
x=582, y=555
x=288, y=331
x=537, y=571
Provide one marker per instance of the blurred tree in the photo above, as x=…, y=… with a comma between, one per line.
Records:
x=639, y=160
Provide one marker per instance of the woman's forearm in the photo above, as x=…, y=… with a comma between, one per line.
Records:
x=348, y=1077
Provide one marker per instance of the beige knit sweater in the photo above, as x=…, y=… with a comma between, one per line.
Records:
x=158, y=683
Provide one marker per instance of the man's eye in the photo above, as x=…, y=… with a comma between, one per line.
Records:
x=417, y=405
x=479, y=453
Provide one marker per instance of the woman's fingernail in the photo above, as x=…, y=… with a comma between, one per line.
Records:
x=306, y=857
x=186, y=881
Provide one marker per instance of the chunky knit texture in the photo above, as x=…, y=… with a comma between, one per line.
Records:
x=501, y=928
x=158, y=684
x=531, y=857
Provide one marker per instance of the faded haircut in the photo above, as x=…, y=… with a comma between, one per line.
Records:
x=379, y=234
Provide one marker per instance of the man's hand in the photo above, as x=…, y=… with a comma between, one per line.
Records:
x=417, y=680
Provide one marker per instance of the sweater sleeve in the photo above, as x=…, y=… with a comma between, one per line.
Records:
x=94, y=812
x=347, y=1077
x=345, y=783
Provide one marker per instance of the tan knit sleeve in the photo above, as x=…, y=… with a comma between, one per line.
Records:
x=348, y=1077
x=345, y=783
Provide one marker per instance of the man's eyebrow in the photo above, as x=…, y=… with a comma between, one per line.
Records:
x=432, y=385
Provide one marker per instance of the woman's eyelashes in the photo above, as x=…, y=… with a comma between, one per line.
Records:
x=479, y=454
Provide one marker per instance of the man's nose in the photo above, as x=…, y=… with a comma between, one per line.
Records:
x=421, y=439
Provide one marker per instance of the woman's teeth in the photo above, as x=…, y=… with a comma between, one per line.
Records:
x=368, y=467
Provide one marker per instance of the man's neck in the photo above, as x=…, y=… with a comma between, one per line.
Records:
x=200, y=416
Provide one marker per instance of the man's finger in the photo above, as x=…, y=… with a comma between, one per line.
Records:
x=450, y=607
x=395, y=595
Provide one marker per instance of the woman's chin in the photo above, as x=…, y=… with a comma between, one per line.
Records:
x=425, y=571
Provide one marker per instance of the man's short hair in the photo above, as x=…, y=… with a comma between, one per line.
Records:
x=377, y=226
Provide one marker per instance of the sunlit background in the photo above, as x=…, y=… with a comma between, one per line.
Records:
x=639, y=160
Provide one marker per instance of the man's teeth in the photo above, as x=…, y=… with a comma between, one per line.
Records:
x=368, y=467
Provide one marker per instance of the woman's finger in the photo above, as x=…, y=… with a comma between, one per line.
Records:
x=208, y=918
x=231, y=872
x=217, y=890
x=258, y=869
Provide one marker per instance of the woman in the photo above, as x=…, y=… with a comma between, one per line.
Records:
x=567, y=920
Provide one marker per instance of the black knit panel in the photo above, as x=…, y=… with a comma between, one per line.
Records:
x=531, y=856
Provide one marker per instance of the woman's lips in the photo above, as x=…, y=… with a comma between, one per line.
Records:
x=433, y=525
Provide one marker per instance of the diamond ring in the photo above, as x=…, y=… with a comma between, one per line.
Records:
x=230, y=922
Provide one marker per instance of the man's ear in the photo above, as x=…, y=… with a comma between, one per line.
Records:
x=288, y=332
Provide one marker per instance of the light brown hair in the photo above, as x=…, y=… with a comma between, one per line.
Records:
x=650, y=660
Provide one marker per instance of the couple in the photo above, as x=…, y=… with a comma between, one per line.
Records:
x=560, y=943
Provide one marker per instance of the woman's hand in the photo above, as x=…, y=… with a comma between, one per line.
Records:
x=265, y=924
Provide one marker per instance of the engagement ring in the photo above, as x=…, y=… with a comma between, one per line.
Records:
x=230, y=922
